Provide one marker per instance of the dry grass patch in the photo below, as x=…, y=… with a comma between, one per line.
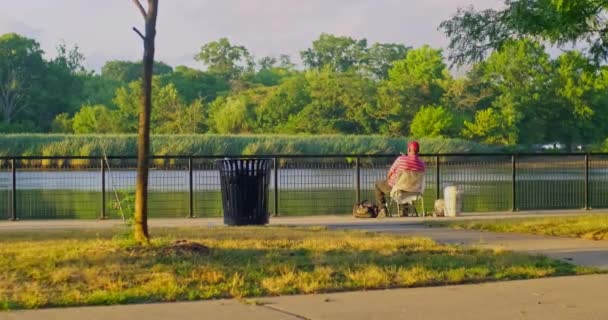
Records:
x=69, y=268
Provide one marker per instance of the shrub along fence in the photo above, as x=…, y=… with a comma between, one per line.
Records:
x=189, y=186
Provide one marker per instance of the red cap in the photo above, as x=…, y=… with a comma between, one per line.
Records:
x=414, y=145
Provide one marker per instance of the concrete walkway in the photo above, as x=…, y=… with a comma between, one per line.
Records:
x=570, y=298
x=577, y=251
x=328, y=220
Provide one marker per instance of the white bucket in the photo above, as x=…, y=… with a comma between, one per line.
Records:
x=452, y=197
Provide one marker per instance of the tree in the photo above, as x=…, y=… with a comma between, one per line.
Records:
x=413, y=82
x=489, y=127
x=194, y=85
x=140, y=231
x=272, y=71
x=233, y=115
x=381, y=57
x=473, y=35
x=22, y=72
x=128, y=71
x=337, y=53
x=97, y=89
x=91, y=119
x=267, y=62
x=170, y=113
x=227, y=60
x=282, y=104
x=578, y=101
x=520, y=74
x=63, y=85
x=184, y=119
x=340, y=102
x=433, y=122
x=62, y=124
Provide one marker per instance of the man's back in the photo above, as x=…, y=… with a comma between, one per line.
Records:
x=405, y=163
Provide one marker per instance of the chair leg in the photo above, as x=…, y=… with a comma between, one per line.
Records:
x=423, y=209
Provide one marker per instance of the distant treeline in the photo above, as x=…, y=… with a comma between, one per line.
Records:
x=518, y=95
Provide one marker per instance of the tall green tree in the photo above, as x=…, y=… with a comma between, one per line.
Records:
x=64, y=86
x=340, y=102
x=413, y=82
x=97, y=89
x=520, y=74
x=22, y=74
x=381, y=57
x=283, y=104
x=474, y=34
x=171, y=114
x=236, y=113
x=336, y=53
x=225, y=59
x=579, y=101
x=194, y=85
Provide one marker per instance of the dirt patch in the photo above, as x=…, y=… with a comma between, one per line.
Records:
x=185, y=247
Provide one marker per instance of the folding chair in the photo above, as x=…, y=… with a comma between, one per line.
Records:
x=403, y=198
x=409, y=189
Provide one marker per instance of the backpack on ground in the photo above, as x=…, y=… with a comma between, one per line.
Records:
x=365, y=209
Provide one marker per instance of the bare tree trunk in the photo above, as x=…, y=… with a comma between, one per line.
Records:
x=140, y=228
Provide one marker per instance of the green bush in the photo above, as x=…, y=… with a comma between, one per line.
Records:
x=126, y=145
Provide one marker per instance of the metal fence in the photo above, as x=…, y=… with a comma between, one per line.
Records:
x=94, y=187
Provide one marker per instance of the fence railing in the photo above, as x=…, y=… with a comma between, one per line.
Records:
x=182, y=186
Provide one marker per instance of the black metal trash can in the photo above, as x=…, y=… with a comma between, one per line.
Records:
x=245, y=184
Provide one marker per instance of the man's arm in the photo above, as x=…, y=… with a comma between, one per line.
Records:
x=393, y=168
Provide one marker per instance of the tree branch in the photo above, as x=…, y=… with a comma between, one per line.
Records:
x=141, y=8
x=139, y=33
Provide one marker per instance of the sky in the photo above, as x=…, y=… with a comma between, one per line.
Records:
x=102, y=28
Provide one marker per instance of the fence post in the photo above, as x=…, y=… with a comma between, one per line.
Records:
x=437, y=179
x=14, y=190
x=276, y=186
x=103, y=190
x=190, y=189
x=587, y=206
x=513, y=182
x=358, y=180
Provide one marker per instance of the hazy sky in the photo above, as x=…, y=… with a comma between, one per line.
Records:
x=102, y=28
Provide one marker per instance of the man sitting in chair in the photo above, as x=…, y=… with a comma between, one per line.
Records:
x=410, y=164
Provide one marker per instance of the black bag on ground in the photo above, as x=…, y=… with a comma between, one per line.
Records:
x=365, y=209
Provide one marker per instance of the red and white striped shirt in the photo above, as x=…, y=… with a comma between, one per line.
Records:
x=404, y=163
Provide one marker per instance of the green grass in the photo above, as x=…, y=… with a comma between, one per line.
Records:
x=594, y=227
x=208, y=144
x=74, y=268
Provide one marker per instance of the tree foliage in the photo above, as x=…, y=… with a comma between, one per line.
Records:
x=474, y=34
x=225, y=59
x=432, y=122
x=518, y=94
x=129, y=71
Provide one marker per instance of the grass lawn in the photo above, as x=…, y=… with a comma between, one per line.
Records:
x=69, y=268
x=593, y=227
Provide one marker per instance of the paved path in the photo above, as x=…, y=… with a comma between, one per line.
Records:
x=569, y=298
x=578, y=251
x=339, y=220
